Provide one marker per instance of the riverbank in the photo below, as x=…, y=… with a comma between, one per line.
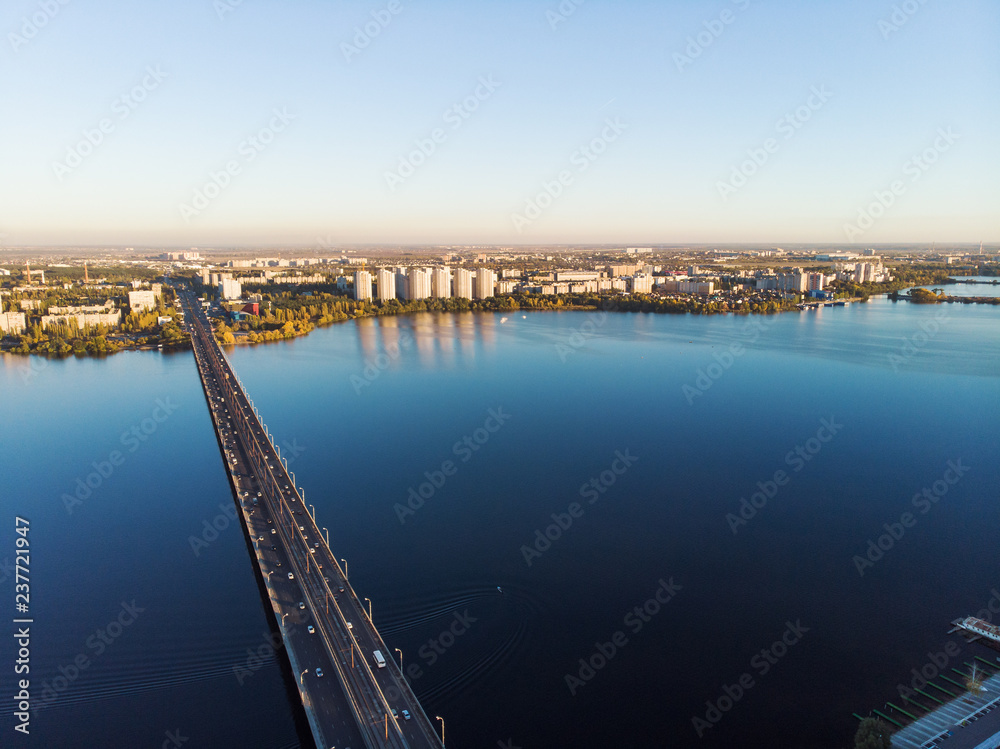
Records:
x=295, y=316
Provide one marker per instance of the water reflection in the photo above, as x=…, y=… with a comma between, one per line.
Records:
x=433, y=339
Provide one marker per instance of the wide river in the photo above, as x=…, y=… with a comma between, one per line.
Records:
x=684, y=515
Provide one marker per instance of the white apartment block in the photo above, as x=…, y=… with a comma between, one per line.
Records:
x=463, y=283
x=362, y=285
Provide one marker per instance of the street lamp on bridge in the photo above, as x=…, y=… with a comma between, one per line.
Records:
x=369, y=608
x=400, y=658
x=438, y=717
x=345, y=568
x=307, y=671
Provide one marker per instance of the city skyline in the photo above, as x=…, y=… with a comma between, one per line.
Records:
x=240, y=124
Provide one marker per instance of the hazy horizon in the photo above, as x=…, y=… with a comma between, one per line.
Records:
x=441, y=124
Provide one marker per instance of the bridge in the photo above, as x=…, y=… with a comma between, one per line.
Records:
x=350, y=698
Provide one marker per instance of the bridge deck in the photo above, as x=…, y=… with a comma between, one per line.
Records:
x=351, y=704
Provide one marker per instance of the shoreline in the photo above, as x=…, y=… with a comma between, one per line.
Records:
x=242, y=337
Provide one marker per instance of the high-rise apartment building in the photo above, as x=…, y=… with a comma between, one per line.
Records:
x=420, y=283
x=486, y=281
x=463, y=283
x=386, y=282
x=441, y=283
x=362, y=285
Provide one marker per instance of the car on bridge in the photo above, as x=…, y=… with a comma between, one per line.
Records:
x=291, y=576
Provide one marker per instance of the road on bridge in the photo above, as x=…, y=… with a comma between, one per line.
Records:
x=329, y=638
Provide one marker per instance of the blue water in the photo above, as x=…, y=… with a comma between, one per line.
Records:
x=985, y=287
x=704, y=408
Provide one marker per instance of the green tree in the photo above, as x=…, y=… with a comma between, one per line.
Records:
x=923, y=296
x=873, y=733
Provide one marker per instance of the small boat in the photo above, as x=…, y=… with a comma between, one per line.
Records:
x=500, y=589
x=503, y=320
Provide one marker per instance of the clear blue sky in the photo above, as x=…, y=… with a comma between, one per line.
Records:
x=684, y=126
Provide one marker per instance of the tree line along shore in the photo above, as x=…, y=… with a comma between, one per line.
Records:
x=289, y=312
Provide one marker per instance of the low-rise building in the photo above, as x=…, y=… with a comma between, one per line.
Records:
x=83, y=319
x=229, y=288
x=12, y=322
x=141, y=300
x=689, y=287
